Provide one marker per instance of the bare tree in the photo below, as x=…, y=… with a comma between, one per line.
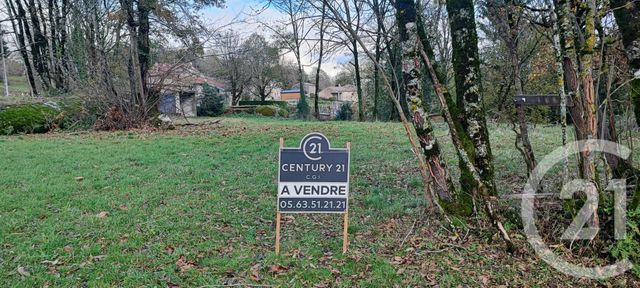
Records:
x=262, y=59
x=293, y=33
x=233, y=64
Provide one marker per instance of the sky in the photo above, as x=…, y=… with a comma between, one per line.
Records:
x=248, y=16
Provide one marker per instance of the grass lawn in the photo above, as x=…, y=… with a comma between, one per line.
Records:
x=196, y=207
x=18, y=85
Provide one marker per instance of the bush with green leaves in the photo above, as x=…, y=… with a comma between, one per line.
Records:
x=30, y=118
x=267, y=110
x=77, y=115
x=302, y=108
x=284, y=113
x=629, y=247
x=212, y=102
x=345, y=113
x=281, y=104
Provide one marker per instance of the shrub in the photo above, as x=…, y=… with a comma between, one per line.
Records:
x=114, y=119
x=267, y=110
x=284, y=113
x=302, y=108
x=345, y=113
x=30, y=118
x=212, y=103
x=281, y=104
x=629, y=247
x=77, y=116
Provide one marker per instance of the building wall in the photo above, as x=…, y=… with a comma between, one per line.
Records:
x=275, y=94
x=295, y=96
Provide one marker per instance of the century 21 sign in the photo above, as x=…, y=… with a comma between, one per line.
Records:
x=313, y=178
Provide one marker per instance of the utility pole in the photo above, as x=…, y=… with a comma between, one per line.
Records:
x=4, y=65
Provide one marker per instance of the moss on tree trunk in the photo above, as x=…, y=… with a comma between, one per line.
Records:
x=411, y=70
x=466, y=66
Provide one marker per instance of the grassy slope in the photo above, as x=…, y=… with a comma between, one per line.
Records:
x=207, y=193
x=17, y=85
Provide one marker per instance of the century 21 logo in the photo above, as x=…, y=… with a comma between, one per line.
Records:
x=312, y=147
x=577, y=229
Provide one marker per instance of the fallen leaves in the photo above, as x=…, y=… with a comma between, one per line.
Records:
x=255, y=273
x=278, y=269
x=102, y=214
x=184, y=265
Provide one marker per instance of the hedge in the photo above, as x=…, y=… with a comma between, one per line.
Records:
x=31, y=118
x=282, y=104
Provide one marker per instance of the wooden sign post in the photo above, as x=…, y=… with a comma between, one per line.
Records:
x=313, y=178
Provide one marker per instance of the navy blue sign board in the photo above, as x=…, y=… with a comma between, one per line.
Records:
x=313, y=178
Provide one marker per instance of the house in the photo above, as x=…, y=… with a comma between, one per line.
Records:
x=292, y=95
x=340, y=93
x=275, y=94
x=333, y=97
x=309, y=88
x=180, y=87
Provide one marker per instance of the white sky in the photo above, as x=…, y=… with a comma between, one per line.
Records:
x=246, y=16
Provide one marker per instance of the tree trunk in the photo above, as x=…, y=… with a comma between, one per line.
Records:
x=579, y=81
x=358, y=82
x=442, y=184
x=464, y=201
x=627, y=14
x=316, y=109
x=376, y=81
x=20, y=31
x=466, y=65
x=144, y=51
x=512, y=47
x=39, y=46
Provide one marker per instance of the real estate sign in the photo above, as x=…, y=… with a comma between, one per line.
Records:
x=313, y=178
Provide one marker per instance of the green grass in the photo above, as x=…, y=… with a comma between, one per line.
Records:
x=207, y=194
x=18, y=86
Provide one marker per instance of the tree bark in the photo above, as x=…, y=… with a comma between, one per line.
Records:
x=20, y=30
x=39, y=45
x=411, y=70
x=316, y=109
x=579, y=80
x=627, y=15
x=466, y=65
x=376, y=70
x=464, y=201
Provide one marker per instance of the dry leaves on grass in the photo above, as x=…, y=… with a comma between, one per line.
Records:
x=278, y=269
x=102, y=214
x=255, y=273
x=184, y=265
